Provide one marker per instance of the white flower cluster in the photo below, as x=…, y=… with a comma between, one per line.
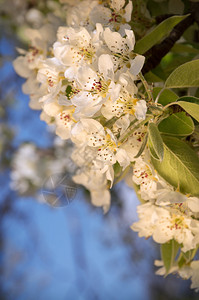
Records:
x=169, y=216
x=86, y=84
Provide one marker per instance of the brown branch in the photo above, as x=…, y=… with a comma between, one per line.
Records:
x=159, y=19
x=157, y=52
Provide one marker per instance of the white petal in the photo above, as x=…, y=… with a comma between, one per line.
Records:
x=31, y=85
x=86, y=77
x=140, y=110
x=123, y=123
x=117, y=4
x=100, y=15
x=128, y=11
x=101, y=198
x=105, y=65
x=113, y=40
x=21, y=66
x=137, y=64
x=122, y=158
x=51, y=108
x=130, y=39
x=193, y=204
x=114, y=90
x=71, y=72
x=110, y=175
x=63, y=133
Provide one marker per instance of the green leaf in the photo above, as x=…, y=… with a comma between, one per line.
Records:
x=183, y=48
x=142, y=146
x=68, y=91
x=137, y=190
x=168, y=253
x=151, y=150
x=182, y=261
x=157, y=8
x=157, y=34
x=191, y=108
x=167, y=96
x=160, y=72
x=185, y=75
x=172, y=61
x=180, y=166
x=117, y=169
x=151, y=77
x=186, y=257
x=178, y=124
x=156, y=141
x=189, y=99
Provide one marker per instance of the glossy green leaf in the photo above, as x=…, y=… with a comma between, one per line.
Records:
x=186, y=75
x=191, y=108
x=180, y=166
x=178, y=124
x=156, y=141
x=167, y=96
x=168, y=253
x=157, y=34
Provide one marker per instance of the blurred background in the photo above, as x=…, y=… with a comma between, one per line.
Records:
x=72, y=251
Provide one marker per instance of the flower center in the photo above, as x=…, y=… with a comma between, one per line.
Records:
x=128, y=104
x=66, y=117
x=71, y=91
x=32, y=53
x=110, y=143
x=177, y=222
x=87, y=53
x=100, y=87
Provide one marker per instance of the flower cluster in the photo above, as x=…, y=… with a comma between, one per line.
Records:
x=85, y=84
x=87, y=81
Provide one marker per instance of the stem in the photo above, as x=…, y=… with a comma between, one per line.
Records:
x=137, y=189
x=118, y=179
x=134, y=128
x=146, y=86
x=132, y=122
x=158, y=96
x=110, y=122
x=194, y=252
x=170, y=104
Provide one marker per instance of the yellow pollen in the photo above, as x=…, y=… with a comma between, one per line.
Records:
x=178, y=222
x=110, y=143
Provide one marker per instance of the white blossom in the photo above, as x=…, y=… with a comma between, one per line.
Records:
x=122, y=51
x=164, y=225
